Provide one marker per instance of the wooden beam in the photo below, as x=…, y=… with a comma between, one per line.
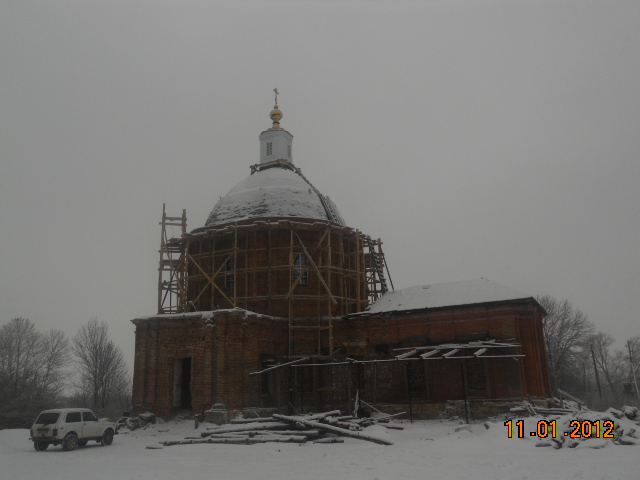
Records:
x=406, y=355
x=211, y=279
x=275, y=367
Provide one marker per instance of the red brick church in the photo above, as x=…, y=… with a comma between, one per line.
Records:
x=276, y=304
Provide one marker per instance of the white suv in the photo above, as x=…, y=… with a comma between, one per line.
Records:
x=71, y=427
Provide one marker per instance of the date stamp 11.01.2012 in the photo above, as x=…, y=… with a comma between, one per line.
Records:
x=577, y=429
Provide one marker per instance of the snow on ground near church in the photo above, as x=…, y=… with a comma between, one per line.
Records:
x=424, y=449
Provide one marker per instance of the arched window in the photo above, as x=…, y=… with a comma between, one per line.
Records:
x=300, y=270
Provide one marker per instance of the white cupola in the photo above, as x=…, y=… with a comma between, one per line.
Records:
x=275, y=189
x=275, y=143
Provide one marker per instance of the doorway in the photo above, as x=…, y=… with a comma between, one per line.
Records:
x=182, y=383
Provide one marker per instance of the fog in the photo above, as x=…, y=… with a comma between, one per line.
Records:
x=495, y=139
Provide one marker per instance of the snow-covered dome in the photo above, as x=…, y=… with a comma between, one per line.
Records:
x=275, y=188
x=276, y=192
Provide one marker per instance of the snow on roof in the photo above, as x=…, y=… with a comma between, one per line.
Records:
x=206, y=314
x=438, y=295
x=268, y=193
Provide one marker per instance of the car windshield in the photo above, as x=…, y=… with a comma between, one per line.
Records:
x=47, y=418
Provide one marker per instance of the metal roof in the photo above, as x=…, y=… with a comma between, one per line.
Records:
x=438, y=295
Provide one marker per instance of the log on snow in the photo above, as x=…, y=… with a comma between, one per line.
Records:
x=252, y=433
x=244, y=440
x=348, y=425
x=306, y=433
x=329, y=440
x=329, y=428
x=391, y=426
x=245, y=428
x=251, y=420
x=320, y=416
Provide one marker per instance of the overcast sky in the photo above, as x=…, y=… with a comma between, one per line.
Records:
x=496, y=139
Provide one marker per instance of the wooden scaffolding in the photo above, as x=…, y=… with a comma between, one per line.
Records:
x=305, y=273
x=172, y=268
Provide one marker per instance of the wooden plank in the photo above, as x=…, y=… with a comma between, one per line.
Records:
x=429, y=354
x=406, y=355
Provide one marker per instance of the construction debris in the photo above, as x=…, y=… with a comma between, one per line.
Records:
x=142, y=420
x=533, y=410
x=560, y=430
x=355, y=433
x=325, y=427
x=630, y=412
x=587, y=429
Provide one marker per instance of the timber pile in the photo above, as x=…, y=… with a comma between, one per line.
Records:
x=325, y=427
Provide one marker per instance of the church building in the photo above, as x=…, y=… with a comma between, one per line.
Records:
x=276, y=304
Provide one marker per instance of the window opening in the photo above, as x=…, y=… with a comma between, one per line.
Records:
x=267, y=380
x=476, y=377
x=300, y=271
x=416, y=377
x=269, y=149
x=228, y=273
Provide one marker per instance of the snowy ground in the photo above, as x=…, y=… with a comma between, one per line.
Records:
x=425, y=449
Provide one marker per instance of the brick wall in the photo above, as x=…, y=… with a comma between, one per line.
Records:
x=252, y=269
x=222, y=350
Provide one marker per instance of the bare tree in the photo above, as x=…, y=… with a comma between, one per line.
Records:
x=633, y=361
x=19, y=340
x=31, y=370
x=566, y=330
x=101, y=364
x=53, y=358
x=610, y=365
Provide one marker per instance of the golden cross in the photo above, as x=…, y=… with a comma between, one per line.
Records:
x=276, y=90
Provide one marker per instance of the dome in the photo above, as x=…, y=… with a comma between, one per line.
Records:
x=275, y=188
x=275, y=192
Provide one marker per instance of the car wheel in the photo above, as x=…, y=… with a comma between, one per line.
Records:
x=40, y=446
x=107, y=437
x=70, y=442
